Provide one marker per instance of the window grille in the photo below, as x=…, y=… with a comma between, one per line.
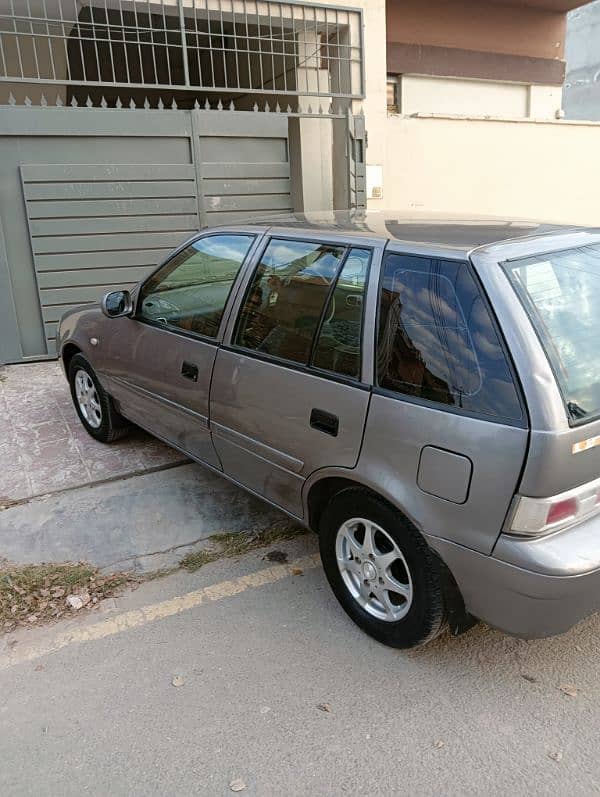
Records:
x=232, y=46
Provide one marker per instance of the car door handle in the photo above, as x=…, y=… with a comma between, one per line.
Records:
x=324, y=422
x=189, y=371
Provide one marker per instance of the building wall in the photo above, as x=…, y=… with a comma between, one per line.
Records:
x=534, y=170
x=426, y=94
x=477, y=25
x=511, y=50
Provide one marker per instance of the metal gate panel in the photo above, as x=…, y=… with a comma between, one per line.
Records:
x=243, y=165
x=95, y=227
x=357, y=142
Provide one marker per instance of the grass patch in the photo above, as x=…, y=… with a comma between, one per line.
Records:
x=197, y=559
x=34, y=594
x=232, y=544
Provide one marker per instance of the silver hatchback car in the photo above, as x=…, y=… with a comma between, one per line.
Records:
x=424, y=395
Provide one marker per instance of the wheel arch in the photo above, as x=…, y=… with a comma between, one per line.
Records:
x=69, y=350
x=324, y=484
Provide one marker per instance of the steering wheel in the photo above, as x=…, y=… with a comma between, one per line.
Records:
x=157, y=307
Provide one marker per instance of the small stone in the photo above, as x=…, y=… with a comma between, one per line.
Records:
x=556, y=755
x=567, y=689
x=178, y=680
x=324, y=707
x=74, y=602
x=237, y=784
x=277, y=556
x=297, y=571
x=531, y=678
x=439, y=744
x=264, y=709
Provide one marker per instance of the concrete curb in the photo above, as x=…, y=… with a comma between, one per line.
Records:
x=143, y=523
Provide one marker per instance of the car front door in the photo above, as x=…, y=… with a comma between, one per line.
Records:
x=158, y=364
x=290, y=393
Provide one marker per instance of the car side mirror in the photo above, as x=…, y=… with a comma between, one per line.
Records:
x=116, y=304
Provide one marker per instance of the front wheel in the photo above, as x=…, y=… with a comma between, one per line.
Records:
x=94, y=406
x=381, y=570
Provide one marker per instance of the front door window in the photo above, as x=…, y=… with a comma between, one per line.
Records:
x=191, y=290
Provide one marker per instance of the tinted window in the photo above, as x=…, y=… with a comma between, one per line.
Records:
x=285, y=301
x=191, y=290
x=437, y=341
x=338, y=345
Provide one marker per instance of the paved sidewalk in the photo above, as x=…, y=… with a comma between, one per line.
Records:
x=43, y=446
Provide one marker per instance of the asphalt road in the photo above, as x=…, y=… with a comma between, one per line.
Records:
x=90, y=706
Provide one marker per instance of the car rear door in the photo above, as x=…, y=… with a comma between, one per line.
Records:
x=290, y=389
x=159, y=363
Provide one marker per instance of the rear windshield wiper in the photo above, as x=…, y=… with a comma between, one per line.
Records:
x=575, y=410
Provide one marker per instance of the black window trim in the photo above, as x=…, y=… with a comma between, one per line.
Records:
x=520, y=423
x=332, y=288
x=237, y=348
x=186, y=333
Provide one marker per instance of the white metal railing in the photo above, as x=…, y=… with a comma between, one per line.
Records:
x=231, y=46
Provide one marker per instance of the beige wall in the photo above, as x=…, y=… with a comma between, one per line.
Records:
x=422, y=94
x=458, y=96
x=477, y=25
x=545, y=170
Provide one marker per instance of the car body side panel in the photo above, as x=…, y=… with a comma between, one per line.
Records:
x=143, y=364
x=397, y=431
x=260, y=418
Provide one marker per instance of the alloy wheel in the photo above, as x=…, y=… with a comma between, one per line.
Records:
x=87, y=399
x=374, y=569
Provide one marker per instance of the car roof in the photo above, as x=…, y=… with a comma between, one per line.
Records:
x=437, y=234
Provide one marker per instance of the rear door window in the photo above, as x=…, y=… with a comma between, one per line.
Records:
x=561, y=292
x=287, y=297
x=437, y=341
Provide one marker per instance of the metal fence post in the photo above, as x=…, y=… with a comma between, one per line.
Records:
x=186, y=69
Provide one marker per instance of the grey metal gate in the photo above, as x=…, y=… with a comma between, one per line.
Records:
x=94, y=227
x=356, y=146
x=93, y=198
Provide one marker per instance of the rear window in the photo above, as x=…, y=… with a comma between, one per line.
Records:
x=437, y=341
x=561, y=292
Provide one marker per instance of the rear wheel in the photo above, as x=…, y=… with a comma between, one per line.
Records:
x=381, y=570
x=94, y=406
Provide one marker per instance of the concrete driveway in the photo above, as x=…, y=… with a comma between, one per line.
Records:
x=135, y=504
x=279, y=690
x=45, y=449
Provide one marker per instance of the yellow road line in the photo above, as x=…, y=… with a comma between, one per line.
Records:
x=156, y=611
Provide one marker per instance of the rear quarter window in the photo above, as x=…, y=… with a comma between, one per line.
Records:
x=437, y=340
x=560, y=291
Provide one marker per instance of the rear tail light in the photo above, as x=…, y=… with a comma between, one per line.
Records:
x=533, y=517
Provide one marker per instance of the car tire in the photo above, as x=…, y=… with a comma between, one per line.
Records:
x=366, y=577
x=93, y=405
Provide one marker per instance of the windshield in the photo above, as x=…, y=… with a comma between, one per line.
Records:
x=561, y=291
